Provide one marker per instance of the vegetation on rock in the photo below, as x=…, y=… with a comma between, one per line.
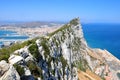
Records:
x=5, y=52
x=35, y=70
x=19, y=69
x=60, y=29
x=45, y=46
x=74, y=22
x=34, y=51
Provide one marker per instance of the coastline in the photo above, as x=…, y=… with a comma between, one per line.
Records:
x=23, y=34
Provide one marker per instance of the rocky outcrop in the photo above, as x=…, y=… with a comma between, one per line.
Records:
x=63, y=55
x=8, y=72
x=112, y=64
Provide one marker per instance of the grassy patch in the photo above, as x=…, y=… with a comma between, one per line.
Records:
x=19, y=69
x=6, y=51
x=60, y=29
x=74, y=22
x=64, y=63
x=34, y=51
x=82, y=65
x=45, y=47
x=55, y=41
x=35, y=70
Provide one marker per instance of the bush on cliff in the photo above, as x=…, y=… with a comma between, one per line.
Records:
x=45, y=47
x=35, y=70
x=19, y=69
x=6, y=51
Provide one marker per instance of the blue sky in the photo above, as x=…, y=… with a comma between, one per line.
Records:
x=107, y=11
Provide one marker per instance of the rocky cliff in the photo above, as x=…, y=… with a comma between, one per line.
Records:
x=61, y=55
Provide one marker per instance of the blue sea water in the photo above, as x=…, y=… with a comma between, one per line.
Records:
x=104, y=36
x=10, y=36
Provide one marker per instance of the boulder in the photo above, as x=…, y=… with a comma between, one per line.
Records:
x=8, y=72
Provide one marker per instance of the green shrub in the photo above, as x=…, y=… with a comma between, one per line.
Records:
x=53, y=72
x=55, y=41
x=60, y=29
x=82, y=65
x=74, y=22
x=34, y=51
x=45, y=47
x=6, y=51
x=19, y=69
x=4, y=56
x=35, y=70
x=64, y=62
x=49, y=61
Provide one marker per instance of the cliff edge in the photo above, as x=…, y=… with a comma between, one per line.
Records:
x=63, y=55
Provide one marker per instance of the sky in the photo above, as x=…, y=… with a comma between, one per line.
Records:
x=107, y=11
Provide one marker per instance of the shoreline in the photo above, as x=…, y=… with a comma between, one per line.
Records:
x=28, y=33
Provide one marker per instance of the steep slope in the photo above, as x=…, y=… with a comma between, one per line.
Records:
x=64, y=55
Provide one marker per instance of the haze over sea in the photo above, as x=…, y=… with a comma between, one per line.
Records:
x=104, y=36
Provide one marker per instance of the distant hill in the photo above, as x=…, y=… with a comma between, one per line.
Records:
x=30, y=24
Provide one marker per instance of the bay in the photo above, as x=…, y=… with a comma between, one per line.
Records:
x=10, y=36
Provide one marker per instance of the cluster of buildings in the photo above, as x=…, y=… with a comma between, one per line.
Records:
x=31, y=32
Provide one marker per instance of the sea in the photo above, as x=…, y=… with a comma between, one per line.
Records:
x=104, y=36
x=10, y=36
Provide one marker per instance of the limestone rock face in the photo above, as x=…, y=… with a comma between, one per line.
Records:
x=62, y=55
x=3, y=67
x=68, y=52
x=8, y=72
